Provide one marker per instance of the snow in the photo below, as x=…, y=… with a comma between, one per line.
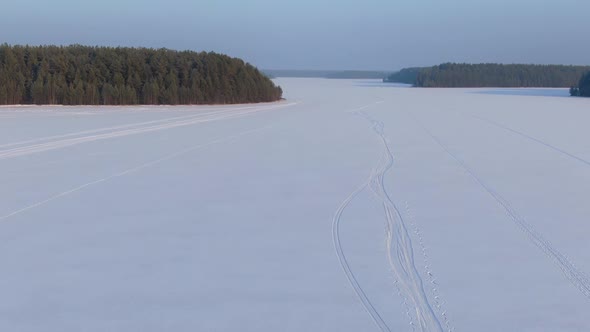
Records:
x=351, y=206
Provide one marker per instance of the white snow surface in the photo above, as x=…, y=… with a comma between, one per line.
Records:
x=350, y=206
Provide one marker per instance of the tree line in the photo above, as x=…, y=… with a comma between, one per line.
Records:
x=492, y=75
x=332, y=74
x=406, y=75
x=83, y=75
x=499, y=75
x=357, y=74
x=583, y=87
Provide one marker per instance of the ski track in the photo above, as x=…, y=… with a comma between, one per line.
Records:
x=438, y=302
x=400, y=253
x=399, y=243
x=129, y=171
x=575, y=276
x=531, y=138
x=377, y=319
x=52, y=145
x=92, y=131
x=375, y=316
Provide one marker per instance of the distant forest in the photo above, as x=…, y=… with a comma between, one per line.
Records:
x=82, y=75
x=583, y=88
x=406, y=75
x=334, y=74
x=492, y=75
x=357, y=74
x=498, y=75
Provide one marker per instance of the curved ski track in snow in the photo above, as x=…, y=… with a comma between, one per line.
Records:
x=400, y=253
x=377, y=319
x=576, y=276
x=143, y=128
x=344, y=262
x=438, y=302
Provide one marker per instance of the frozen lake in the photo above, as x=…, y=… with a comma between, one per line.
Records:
x=351, y=206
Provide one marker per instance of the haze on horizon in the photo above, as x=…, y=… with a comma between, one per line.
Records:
x=305, y=34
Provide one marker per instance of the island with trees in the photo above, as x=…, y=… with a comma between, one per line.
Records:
x=462, y=75
x=83, y=75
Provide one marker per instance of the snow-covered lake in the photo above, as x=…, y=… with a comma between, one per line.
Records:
x=351, y=206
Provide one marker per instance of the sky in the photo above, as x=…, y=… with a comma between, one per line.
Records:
x=317, y=34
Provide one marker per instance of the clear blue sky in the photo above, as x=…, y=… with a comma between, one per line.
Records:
x=308, y=34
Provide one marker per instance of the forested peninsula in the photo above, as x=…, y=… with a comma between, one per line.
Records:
x=83, y=75
x=492, y=75
x=406, y=75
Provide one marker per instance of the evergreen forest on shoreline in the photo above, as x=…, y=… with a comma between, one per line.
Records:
x=84, y=75
x=462, y=75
